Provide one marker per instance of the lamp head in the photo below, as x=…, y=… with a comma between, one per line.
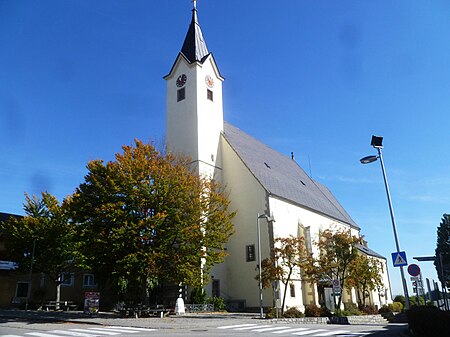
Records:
x=377, y=142
x=368, y=159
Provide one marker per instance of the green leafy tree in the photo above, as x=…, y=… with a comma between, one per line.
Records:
x=288, y=257
x=364, y=275
x=145, y=217
x=442, y=262
x=46, y=227
x=336, y=252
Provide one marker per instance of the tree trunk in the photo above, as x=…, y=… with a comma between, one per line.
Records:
x=285, y=291
x=58, y=292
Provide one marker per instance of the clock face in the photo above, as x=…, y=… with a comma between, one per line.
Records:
x=181, y=80
x=209, y=81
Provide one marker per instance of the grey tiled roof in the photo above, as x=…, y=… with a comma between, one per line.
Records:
x=283, y=177
x=366, y=250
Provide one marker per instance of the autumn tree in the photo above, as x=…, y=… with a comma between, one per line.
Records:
x=442, y=253
x=146, y=217
x=288, y=257
x=46, y=232
x=364, y=274
x=337, y=250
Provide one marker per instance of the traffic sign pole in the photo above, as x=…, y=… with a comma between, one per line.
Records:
x=402, y=273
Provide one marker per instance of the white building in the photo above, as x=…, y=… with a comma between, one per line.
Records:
x=259, y=180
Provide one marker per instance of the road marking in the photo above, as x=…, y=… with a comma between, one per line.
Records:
x=97, y=331
x=41, y=334
x=271, y=328
x=235, y=326
x=115, y=329
x=131, y=328
x=308, y=332
x=251, y=327
x=73, y=333
x=331, y=333
x=290, y=330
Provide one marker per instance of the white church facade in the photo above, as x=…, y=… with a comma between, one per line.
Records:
x=259, y=181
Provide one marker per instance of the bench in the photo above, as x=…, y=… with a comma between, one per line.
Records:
x=144, y=311
x=60, y=305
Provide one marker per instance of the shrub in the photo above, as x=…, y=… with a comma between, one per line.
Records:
x=312, y=310
x=218, y=302
x=198, y=296
x=350, y=309
x=368, y=310
x=413, y=301
x=293, y=313
x=397, y=307
x=385, y=309
x=271, y=313
x=401, y=299
x=428, y=321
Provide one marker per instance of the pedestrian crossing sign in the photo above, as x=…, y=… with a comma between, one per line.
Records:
x=399, y=259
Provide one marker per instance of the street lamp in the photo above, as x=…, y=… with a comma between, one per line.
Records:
x=268, y=219
x=377, y=143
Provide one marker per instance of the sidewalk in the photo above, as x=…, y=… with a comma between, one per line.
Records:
x=197, y=320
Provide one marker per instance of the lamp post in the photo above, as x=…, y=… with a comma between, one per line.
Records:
x=30, y=275
x=377, y=143
x=268, y=219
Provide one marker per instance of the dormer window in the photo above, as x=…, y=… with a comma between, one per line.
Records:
x=181, y=94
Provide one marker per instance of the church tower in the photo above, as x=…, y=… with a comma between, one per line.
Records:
x=194, y=115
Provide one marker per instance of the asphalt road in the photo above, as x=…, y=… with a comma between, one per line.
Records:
x=234, y=328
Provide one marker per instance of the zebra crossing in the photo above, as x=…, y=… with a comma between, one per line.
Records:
x=283, y=329
x=88, y=332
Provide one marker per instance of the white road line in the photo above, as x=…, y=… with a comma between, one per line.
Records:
x=308, y=332
x=73, y=333
x=272, y=328
x=331, y=333
x=131, y=328
x=251, y=327
x=235, y=326
x=97, y=331
x=41, y=334
x=9, y=336
x=116, y=329
x=290, y=330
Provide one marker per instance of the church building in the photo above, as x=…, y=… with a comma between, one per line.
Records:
x=268, y=189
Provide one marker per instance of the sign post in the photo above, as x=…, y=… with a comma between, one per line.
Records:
x=336, y=287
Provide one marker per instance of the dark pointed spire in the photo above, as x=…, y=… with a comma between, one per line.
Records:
x=194, y=46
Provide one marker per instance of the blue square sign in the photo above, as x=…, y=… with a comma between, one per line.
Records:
x=399, y=259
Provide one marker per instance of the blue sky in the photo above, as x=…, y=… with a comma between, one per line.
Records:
x=79, y=79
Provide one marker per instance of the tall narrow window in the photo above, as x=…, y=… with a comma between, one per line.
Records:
x=181, y=94
x=292, y=289
x=216, y=288
x=22, y=289
x=250, y=253
x=88, y=280
x=67, y=279
x=209, y=94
